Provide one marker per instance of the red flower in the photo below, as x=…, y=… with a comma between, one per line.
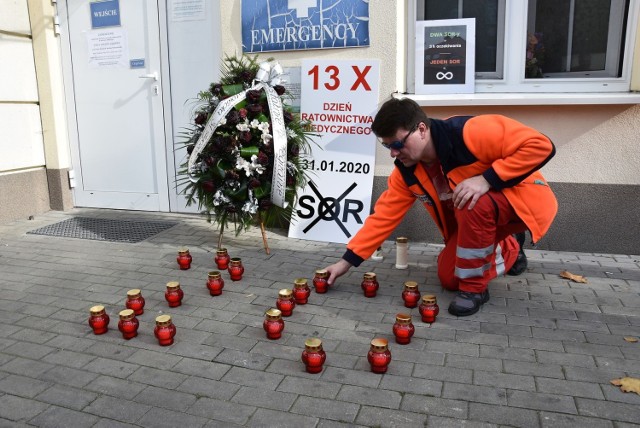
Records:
x=200, y=119
x=208, y=186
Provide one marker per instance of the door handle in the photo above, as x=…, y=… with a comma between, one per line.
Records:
x=153, y=76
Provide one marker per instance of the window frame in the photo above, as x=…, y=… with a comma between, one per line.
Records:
x=514, y=48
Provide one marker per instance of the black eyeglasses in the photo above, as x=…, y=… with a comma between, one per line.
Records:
x=399, y=144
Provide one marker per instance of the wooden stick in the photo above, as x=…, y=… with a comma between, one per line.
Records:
x=264, y=235
x=220, y=236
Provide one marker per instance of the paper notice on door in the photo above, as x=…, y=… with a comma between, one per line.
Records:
x=108, y=48
x=187, y=10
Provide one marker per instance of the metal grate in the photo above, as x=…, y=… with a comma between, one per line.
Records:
x=100, y=229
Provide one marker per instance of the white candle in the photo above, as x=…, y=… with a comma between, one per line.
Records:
x=402, y=256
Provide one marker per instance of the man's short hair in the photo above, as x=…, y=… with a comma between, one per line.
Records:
x=398, y=113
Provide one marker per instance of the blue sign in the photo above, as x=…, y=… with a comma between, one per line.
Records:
x=105, y=14
x=281, y=25
x=136, y=63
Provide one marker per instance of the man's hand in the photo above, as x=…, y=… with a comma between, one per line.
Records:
x=337, y=269
x=470, y=190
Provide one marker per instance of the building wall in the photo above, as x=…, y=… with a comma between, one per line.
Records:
x=34, y=149
x=594, y=172
x=23, y=181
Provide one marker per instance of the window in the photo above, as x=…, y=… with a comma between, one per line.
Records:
x=489, y=15
x=545, y=45
x=577, y=38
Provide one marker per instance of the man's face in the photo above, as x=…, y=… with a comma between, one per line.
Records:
x=406, y=145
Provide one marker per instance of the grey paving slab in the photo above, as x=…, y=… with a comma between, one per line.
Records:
x=541, y=353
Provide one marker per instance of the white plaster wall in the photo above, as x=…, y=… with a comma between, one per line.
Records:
x=14, y=16
x=17, y=73
x=21, y=144
x=20, y=137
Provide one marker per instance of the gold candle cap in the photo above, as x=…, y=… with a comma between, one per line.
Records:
x=173, y=285
x=163, y=320
x=134, y=293
x=402, y=240
x=300, y=283
x=369, y=275
x=273, y=314
x=183, y=250
x=429, y=299
x=97, y=310
x=379, y=344
x=322, y=273
x=313, y=344
x=214, y=274
x=221, y=251
x=235, y=261
x=403, y=318
x=411, y=285
x=285, y=293
x=126, y=314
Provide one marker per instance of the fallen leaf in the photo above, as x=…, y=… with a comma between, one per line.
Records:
x=631, y=339
x=573, y=277
x=628, y=384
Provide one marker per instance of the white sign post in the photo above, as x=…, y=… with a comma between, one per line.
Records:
x=340, y=99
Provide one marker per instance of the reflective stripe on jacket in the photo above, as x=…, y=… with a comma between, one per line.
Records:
x=505, y=152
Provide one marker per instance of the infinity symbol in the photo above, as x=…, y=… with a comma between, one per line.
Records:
x=440, y=75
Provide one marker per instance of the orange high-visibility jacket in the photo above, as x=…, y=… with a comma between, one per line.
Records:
x=505, y=152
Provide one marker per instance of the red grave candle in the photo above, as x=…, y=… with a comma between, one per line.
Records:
x=313, y=355
x=128, y=324
x=215, y=283
x=403, y=329
x=98, y=320
x=411, y=294
x=164, y=330
x=222, y=259
x=135, y=301
x=184, y=259
x=369, y=284
x=174, y=294
x=379, y=356
x=429, y=308
x=285, y=302
x=320, y=281
x=273, y=323
x=235, y=268
x=301, y=291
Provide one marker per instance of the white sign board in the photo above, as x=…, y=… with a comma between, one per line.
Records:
x=340, y=98
x=445, y=56
x=108, y=48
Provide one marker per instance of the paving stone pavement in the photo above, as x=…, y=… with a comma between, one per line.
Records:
x=540, y=353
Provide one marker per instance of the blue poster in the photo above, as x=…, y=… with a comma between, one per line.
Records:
x=105, y=13
x=281, y=25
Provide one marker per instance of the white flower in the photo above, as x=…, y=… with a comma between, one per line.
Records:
x=258, y=168
x=264, y=127
x=243, y=164
x=254, y=123
x=223, y=121
x=291, y=133
x=266, y=138
x=243, y=127
x=250, y=206
x=219, y=198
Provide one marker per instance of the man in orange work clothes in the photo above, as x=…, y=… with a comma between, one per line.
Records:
x=478, y=178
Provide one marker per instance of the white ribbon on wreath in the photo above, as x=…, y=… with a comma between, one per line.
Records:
x=266, y=78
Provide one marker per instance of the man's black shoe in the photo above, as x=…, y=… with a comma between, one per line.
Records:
x=521, y=261
x=466, y=303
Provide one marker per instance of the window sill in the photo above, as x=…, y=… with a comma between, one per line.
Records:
x=525, y=99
